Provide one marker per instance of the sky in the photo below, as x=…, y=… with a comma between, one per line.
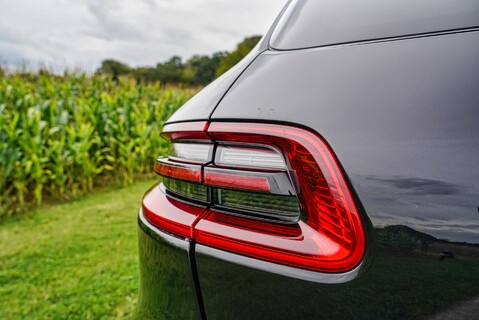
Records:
x=80, y=34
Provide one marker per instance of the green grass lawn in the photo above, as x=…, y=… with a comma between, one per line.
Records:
x=75, y=260
x=79, y=260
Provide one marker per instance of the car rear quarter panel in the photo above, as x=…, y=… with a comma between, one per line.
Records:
x=402, y=118
x=167, y=289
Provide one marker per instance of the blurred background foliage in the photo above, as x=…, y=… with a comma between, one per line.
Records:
x=198, y=70
x=61, y=135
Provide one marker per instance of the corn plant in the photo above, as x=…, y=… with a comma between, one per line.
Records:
x=62, y=135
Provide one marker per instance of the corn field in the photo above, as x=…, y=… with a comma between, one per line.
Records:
x=62, y=135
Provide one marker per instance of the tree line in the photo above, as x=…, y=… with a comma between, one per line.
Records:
x=198, y=70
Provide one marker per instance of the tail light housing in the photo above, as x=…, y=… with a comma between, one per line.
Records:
x=266, y=191
x=182, y=174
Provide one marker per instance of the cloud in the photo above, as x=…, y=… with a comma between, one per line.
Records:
x=69, y=33
x=112, y=23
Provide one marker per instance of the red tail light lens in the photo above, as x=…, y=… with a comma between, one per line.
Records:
x=332, y=236
x=176, y=170
x=276, y=193
x=170, y=215
x=186, y=131
x=183, y=177
x=237, y=180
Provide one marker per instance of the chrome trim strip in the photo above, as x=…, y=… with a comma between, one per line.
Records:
x=151, y=230
x=287, y=271
x=307, y=275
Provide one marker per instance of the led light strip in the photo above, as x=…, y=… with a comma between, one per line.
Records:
x=249, y=158
x=181, y=171
x=194, y=152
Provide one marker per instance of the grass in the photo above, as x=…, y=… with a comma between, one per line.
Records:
x=76, y=260
x=61, y=135
x=79, y=260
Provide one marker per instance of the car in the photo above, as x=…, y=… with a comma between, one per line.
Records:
x=326, y=175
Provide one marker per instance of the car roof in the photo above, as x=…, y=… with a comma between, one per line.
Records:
x=313, y=23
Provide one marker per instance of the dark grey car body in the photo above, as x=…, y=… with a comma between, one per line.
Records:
x=394, y=89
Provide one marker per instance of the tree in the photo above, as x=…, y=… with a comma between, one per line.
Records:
x=232, y=58
x=113, y=68
x=201, y=70
x=198, y=70
x=145, y=74
x=171, y=71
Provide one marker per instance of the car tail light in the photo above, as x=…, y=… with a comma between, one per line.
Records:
x=274, y=193
x=249, y=157
x=237, y=180
x=178, y=170
x=190, y=152
x=275, y=182
x=169, y=214
x=165, y=207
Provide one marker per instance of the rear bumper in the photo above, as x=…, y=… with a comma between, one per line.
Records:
x=167, y=289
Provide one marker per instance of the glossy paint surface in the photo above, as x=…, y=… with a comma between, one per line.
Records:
x=166, y=282
x=402, y=119
x=399, y=285
x=312, y=23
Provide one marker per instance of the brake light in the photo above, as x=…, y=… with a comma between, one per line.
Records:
x=186, y=131
x=236, y=181
x=181, y=171
x=275, y=193
x=183, y=175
